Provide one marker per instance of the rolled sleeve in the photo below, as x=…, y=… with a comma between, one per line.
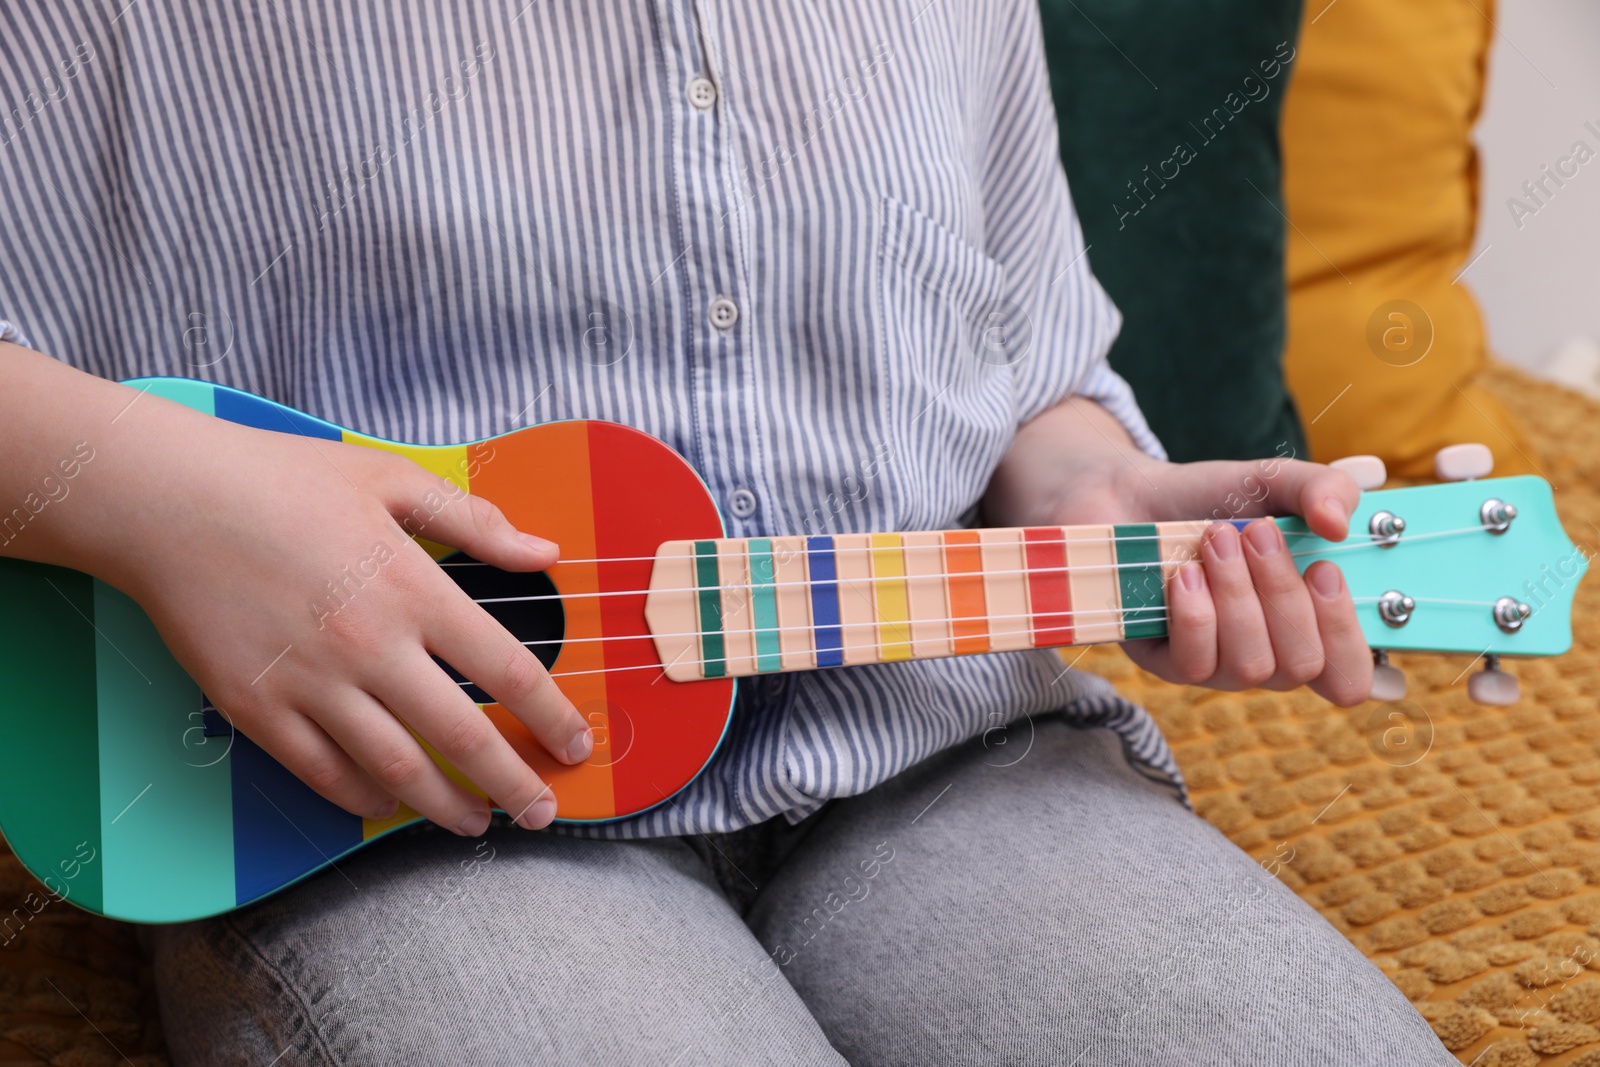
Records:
x=1112, y=392
x=1034, y=233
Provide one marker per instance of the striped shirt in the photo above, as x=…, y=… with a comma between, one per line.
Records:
x=824, y=250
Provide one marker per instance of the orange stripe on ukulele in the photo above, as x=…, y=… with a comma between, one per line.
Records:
x=963, y=561
x=554, y=498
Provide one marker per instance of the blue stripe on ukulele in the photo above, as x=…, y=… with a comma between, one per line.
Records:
x=825, y=632
x=281, y=829
x=263, y=414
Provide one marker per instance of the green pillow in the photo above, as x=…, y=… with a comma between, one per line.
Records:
x=1169, y=134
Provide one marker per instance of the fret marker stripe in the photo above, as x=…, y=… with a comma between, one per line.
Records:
x=710, y=597
x=1048, y=595
x=825, y=602
x=889, y=597
x=963, y=561
x=1139, y=567
x=764, y=605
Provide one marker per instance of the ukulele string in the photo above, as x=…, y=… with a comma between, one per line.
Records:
x=793, y=629
x=856, y=581
x=807, y=628
x=1158, y=616
x=843, y=549
x=753, y=658
x=1162, y=617
x=703, y=662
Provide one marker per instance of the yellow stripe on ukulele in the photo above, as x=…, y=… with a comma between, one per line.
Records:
x=893, y=606
x=449, y=462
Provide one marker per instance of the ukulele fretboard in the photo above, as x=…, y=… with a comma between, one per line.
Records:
x=735, y=607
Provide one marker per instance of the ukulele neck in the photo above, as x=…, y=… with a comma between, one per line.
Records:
x=760, y=605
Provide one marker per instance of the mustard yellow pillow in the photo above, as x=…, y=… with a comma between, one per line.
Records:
x=1381, y=187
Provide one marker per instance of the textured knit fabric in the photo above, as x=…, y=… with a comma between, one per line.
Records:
x=1033, y=902
x=826, y=251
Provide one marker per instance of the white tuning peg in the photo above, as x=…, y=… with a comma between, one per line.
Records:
x=1368, y=471
x=1462, y=463
x=1388, y=682
x=1492, y=685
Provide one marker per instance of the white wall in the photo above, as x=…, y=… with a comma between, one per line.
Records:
x=1540, y=284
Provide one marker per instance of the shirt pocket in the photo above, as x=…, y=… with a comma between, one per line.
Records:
x=950, y=340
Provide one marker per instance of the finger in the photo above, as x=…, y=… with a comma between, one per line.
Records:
x=1324, y=497
x=426, y=505
x=1347, y=678
x=470, y=640
x=1153, y=654
x=1188, y=655
x=441, y=712
x=1191, y=626
x=1244, y=649
x=383, y=747
x=1291, y=621
x=306, y=750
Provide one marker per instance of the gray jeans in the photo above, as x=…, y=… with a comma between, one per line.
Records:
x=1059, y=909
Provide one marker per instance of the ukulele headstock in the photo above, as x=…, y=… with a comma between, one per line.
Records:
x=1481, y=567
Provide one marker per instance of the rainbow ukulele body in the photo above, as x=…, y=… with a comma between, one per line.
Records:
x=129, y=795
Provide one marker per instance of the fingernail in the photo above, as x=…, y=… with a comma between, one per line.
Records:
x=475, y=824
x=1225, y=541
x=385, y=811
x=1326, y=582
x=1189, y=574
x=540, y=814
x=1335, y=505
x=1264, y=537
x=580, y=748
x=540, y=544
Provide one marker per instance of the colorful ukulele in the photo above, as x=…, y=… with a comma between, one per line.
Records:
x=128, y=794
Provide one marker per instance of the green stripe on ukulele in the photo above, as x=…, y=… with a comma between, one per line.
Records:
x=1139, y=576
x=713, y=659
x=764, y=602
x=166, y=793
x=195, y=394
x=49, y=777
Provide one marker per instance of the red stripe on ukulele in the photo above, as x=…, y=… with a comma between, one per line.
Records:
x=1048, y=598
x=963, y=563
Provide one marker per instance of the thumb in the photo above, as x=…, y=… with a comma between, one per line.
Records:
x=1324, y=497
x=1226, y=489
x=428, y=506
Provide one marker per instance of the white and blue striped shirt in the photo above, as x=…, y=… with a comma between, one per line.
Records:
x=825, y=250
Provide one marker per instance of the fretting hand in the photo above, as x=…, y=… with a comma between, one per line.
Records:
x=1241, y=615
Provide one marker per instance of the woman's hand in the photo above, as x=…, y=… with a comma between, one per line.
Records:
x=277, y=571
x=1240, y=616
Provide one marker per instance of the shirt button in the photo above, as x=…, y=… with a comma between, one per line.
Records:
x=702, y=94
x=742, y=502
x=724, y=313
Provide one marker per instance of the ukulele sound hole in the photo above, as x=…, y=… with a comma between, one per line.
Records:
x=534, y=616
